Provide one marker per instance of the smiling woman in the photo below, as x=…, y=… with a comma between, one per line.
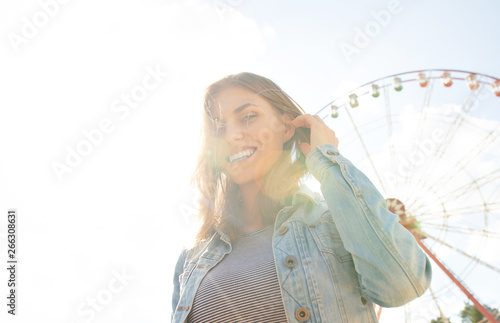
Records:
x=250, y=139
x=271, y=250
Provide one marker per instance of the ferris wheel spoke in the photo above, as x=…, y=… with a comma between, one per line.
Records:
x=457, y=123
x=445, y=143
x=443, y=318
x=449, y=198
x=462, y=230
x=482, y=146
x=423, y=207
x=389, y=128
x=367, y=153
x=473, y=210
x=446, y=224
x=422, y=119
x=407, y=313
x=464, y=190
x=481, y=181
x=479, y=261
x=495, y=194
x=415, y=208
x=464, y=223
x=485, y=207
x=419, y=188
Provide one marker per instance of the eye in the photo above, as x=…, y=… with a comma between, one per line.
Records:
x=249, y=116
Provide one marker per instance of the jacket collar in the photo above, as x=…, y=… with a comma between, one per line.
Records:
x=305, y=192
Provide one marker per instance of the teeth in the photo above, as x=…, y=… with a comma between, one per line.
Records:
x=241, y=154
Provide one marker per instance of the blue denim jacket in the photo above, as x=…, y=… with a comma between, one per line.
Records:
x=336, y=254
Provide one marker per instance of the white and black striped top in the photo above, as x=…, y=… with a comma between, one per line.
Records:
x=243, y=287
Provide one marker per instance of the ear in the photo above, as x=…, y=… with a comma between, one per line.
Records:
x=289, y=127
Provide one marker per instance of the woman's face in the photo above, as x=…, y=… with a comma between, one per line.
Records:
x=249, y=137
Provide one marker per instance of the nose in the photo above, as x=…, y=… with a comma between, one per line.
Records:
x=233, y=133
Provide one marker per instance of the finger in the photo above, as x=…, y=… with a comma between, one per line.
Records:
x=305, y=148
x=304, y=120
x=319, y=120
x=317, y=117
x=301, y=121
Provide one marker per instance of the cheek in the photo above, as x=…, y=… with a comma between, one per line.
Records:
x=265, y=136
x=275, y=124
x=268, y=135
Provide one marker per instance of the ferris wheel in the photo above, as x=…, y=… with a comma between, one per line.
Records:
x=429, y=140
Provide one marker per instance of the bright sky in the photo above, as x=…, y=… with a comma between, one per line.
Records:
x=130, y=75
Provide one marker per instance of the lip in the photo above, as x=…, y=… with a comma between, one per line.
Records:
x=238, y=149
x=243, y=160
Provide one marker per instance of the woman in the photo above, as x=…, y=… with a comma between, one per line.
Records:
x=271, y=250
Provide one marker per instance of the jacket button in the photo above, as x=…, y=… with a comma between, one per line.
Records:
x=364, y=300
x=302, y=314
x=331, y=152
x=290, y=261
x=312, y=226
x=283, y=230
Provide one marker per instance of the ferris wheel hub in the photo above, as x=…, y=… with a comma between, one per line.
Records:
x=409, y=222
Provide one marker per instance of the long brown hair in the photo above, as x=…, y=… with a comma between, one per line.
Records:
x=220, y=198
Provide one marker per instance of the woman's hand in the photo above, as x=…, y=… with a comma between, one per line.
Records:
x=320, y=133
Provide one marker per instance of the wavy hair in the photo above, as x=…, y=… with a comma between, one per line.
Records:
x=220, y=198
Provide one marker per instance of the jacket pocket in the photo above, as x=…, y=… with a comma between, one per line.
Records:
x=328, y=239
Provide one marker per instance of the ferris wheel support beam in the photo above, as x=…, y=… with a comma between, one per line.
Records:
x=443, y=318
x=469, y=295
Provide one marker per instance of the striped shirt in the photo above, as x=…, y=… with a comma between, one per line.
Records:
x=243, y=287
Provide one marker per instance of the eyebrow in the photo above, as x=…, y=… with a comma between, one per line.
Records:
x=242, y=107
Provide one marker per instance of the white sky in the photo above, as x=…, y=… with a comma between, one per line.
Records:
x=127, y=205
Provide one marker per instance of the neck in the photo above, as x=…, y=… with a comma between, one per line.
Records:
x=251, y=220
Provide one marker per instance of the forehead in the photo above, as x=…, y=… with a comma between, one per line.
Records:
x=232, y=100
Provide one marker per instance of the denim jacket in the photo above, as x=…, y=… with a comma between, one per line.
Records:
x=335, y=254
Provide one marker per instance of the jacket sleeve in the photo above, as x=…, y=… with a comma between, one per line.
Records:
x=392, y=269
x=179, y=268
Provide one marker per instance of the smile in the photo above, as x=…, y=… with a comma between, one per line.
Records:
x=241, y=155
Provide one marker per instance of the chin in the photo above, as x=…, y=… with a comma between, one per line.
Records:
x=244, y=174
x=242, y=178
